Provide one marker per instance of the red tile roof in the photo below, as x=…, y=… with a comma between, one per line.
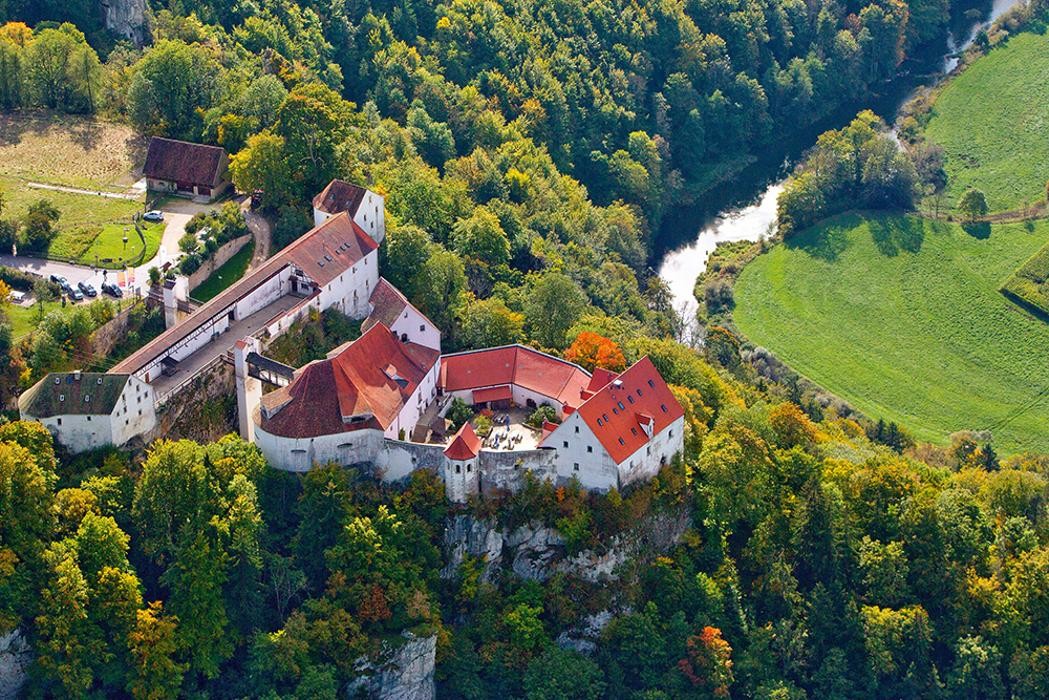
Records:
x=465, y=445
x=339, y=196
x=182, y=161
x=388, y=305
x=338, y=238
x=492, y=393
x=515, y=364
x=625, y=406
x=374, y=377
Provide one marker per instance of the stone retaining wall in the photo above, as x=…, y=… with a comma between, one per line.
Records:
x=221, y=256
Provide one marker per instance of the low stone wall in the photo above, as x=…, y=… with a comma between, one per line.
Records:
x=504, y=471
x=15, y=657
x=399, y=458
x=221, y=256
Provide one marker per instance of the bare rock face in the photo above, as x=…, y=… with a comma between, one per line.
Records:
x=467, y=536
x=406, y=673
x=126, y=18
x=15, y=657
x=536, y=551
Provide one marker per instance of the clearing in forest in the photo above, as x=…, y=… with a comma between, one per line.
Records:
x=903, y=317
x=993, y=123
x=51, y=149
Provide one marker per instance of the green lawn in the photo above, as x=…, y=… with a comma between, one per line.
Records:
x=25, y=319
x=109, y=245
x=224, y=276
x=993, y=123
x=903, y=318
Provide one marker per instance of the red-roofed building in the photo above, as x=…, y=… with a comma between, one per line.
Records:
x=462, y=473
x=365, y=207
x=514, y=373
x=186, y=169
x=342, y=408
x=392, y=309
x=624, y=431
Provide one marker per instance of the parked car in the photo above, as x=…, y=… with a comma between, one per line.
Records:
x=75, y=294
x=112, y=290
x=87, y=289
x=154, y=215
x=59, y=280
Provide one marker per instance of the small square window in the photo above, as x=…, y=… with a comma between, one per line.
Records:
x=458, y=469
x=575, y=466
x=577, y=428
x=565, y=443
x=671, y=433
x=60, y=421
x=422, y=328
x=590, y=448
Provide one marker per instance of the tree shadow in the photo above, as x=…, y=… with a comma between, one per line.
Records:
x=896, y=234
x=15, y=125
x=825, y=242
x=85, y=133
x=978, y=229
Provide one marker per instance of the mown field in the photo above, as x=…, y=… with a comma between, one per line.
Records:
x=993, y=122
x=903, y=318
x=72, y=152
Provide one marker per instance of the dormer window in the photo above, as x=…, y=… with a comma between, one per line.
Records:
x=651, y=384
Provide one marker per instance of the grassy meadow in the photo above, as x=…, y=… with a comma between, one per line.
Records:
x=73, y=152
x=993, y=123
x=903, y=318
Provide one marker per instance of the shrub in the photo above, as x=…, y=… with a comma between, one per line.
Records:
x=542, y=414
x=458, y=413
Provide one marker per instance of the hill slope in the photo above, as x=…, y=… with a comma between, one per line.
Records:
x=902, y=317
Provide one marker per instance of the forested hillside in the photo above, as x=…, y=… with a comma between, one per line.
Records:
x=644, y=102
x=527, y=151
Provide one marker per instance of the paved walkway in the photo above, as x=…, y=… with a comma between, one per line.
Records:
x=261, y=230
x=77, y=190
x=190, y=366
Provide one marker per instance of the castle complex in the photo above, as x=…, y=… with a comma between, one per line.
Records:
x=378, y=401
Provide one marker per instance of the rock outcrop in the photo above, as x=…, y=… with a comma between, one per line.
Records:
x=537, y=552
x=15, y=657
x=126, y=18
x=467, y=536
x=404, y=673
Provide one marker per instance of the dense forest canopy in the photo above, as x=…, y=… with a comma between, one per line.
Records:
x=526, y=150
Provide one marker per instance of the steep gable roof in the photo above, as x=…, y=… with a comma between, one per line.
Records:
x=522, y=366
x=371, y=379
x=73, y=393
x=388, y=305
x=340, y=196
x=464, y=445
x=182, y=161
x=622, y=412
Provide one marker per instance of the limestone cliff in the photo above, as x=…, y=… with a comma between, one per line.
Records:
x=15, y=657
x=126, y=18
x=405, y=672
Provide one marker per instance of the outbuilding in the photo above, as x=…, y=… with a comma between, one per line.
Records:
x=186, y=169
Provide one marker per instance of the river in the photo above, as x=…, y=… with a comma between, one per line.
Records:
x=748, y=205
